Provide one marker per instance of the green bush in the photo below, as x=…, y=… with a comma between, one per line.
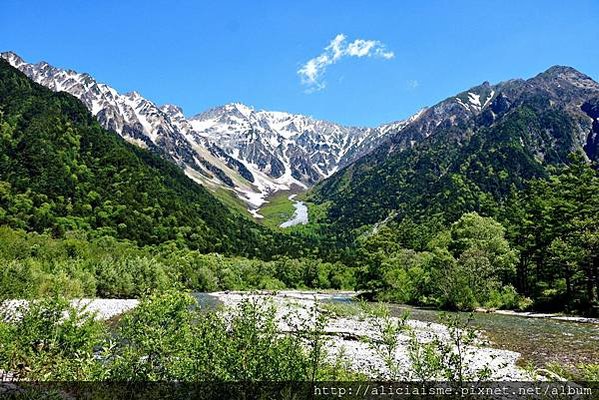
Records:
x=506, y=297
x=167, y=337
x=52, y=341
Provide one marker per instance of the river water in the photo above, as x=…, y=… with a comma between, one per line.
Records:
x=539, y=340
x=300, y=216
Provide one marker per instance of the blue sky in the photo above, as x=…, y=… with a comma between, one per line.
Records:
x=200, y=54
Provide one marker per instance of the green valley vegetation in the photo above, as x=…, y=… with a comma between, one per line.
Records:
x=277, y=210
x=537, y=251
x=484, y=214
x=38, y=266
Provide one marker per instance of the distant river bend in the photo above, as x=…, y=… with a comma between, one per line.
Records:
x=300, y=216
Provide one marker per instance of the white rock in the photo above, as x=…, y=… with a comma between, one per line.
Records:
x=11, y=310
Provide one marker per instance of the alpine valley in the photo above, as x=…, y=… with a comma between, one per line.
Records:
x=252, y=153
x=487, y=201
x=299, y=200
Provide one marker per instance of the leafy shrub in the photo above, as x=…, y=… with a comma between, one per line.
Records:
x=167, y=337
x=51, y=340
x=506, y=297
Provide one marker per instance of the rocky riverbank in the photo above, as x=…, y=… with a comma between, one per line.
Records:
x=348, y=335
x=10, y=310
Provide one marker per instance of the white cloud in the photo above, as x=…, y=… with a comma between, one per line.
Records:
x=413, y=83
x=312, y=72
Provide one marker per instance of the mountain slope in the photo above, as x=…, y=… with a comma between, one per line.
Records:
x=469, y=151
x=252, y=153
x=59, y=171
x=135, y=118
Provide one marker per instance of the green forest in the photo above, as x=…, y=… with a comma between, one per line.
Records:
x=539, y=252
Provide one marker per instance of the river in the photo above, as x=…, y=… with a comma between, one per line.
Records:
x=300, y=216
x=539, y=340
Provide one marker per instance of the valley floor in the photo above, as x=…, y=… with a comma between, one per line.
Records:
x=300, y=216
x=515, y=341
x=279, y=209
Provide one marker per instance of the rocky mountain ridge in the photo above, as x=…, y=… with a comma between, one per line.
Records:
x=470, y=151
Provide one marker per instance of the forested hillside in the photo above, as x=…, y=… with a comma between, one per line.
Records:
x=517, y=175
x=469, y=161
x=60, y=171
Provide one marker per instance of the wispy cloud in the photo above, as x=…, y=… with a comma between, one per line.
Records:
x=412, y=83
x=312, y=72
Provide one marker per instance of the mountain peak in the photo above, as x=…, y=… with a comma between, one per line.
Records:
x=236, y=108
x=562, y=69
x=564, y=72
x=242, y=108
x=559, y=74
x=133, y=95
x=171, y=109
x=13, y=58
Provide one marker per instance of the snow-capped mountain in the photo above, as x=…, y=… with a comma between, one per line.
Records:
x=253, y=153
x=296, y=148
